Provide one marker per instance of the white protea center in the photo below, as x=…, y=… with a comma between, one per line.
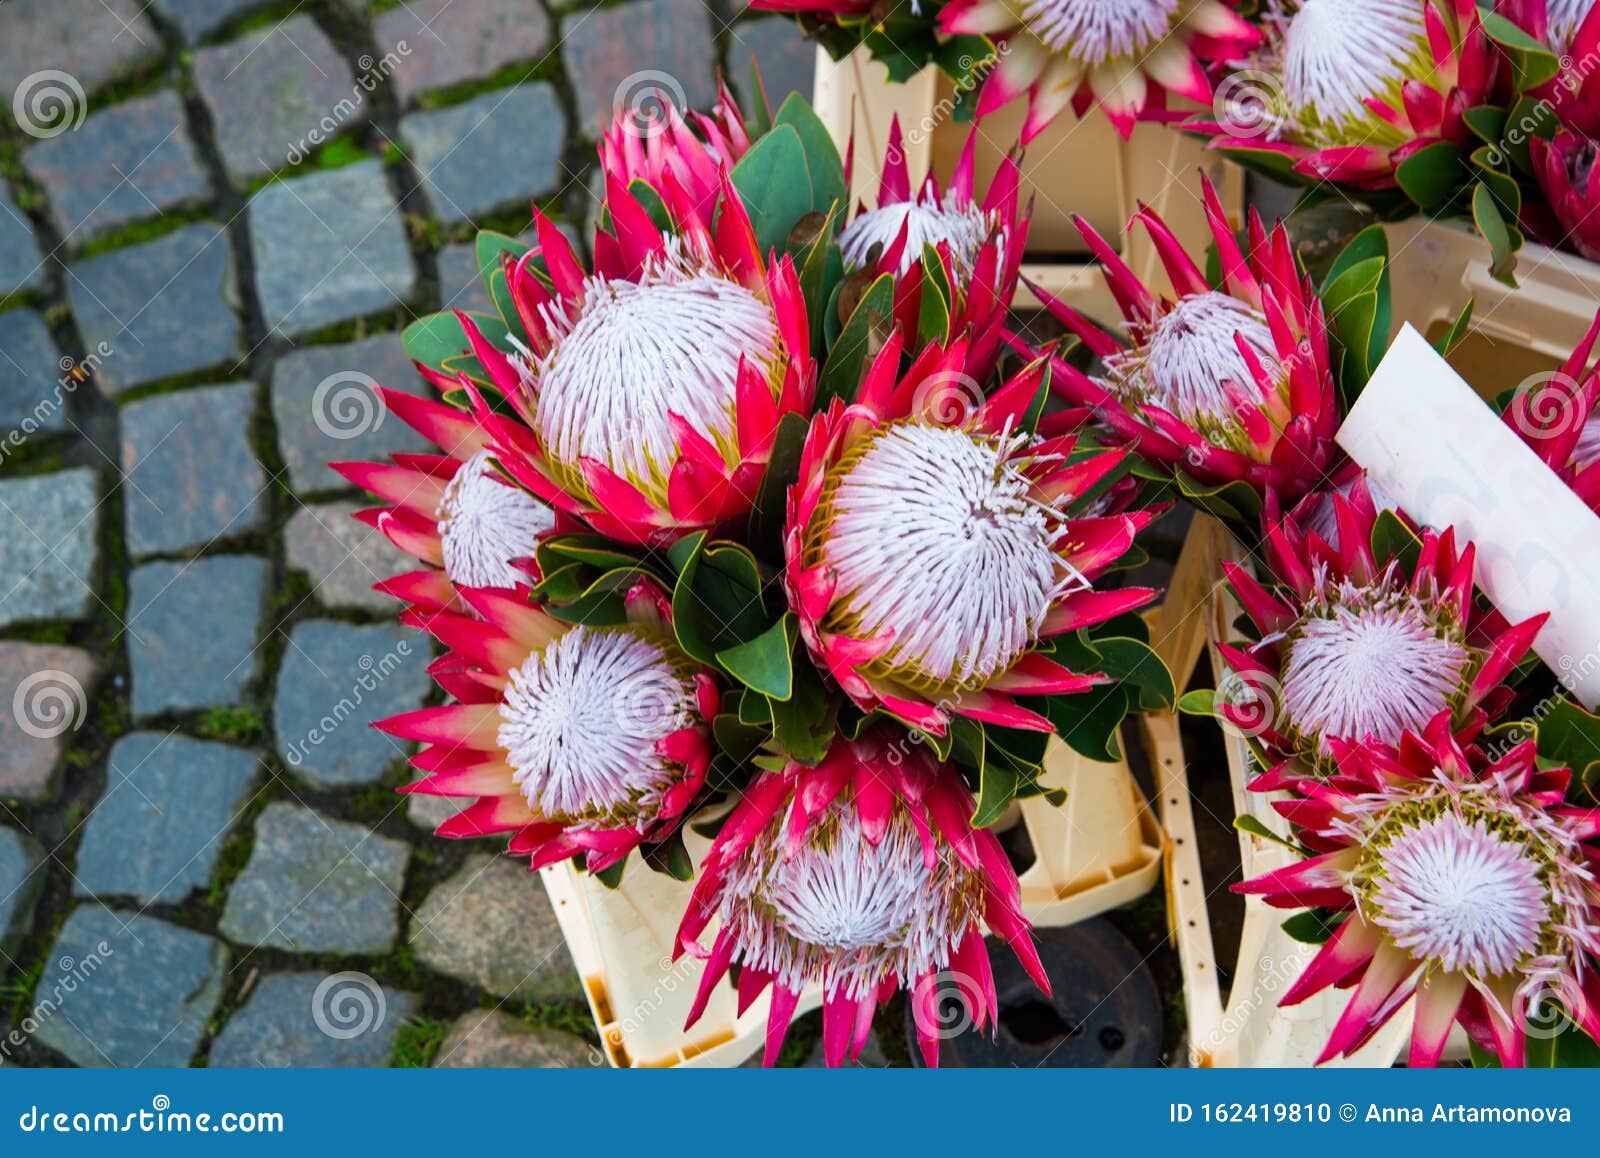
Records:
x=1452, y=891
x=1095, y=31
x=485, y=523
x=580, y=721
x=1562, y=20
x=934, y=536
x=630, y=354
x=953, y=220
x=1370, y=662
x=845, y=911
x=1586, y=452
x=1185, y=358
x=1338, y=54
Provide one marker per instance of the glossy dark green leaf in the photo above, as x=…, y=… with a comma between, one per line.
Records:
x=1310, y=927
x=764, y=663
x=1089, y=721
x=822, y=161
x=858, y=342
x=1431, y=175
x=775, y=185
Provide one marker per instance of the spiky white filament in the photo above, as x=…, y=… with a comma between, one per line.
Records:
x=1189, y=356
x=1587, y=450
x=485, y=523
x=1453, y=892
x=1099, y=30
x=632, y=353
x=1339, y=53
x=1563, y=18
x=937, y=538
x=1370, y=665
x=581, y=719
x=845, y=911
x=955, y=220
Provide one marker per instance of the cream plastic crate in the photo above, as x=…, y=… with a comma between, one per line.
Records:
x=1438, y=265
x=1076, y=166
x=1249, y=1029
x=1100, y=849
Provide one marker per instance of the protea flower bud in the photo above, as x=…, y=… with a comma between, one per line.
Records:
x=932, y=544
x=864, y=876
x=1357, y=649
x=1352, y=88
x=454, y=511
x=651, y=388
x=696, y=152
x=1558, y=416
x=1468, y=887
x=1121, y=54
x=576, y=740
x=979, y=245
x=1230, y=384
x=1564, y=166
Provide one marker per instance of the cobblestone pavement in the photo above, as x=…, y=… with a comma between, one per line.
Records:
x=215, y=217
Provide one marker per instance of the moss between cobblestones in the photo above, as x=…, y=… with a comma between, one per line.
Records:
x=418, y=1042
x=238, y=726
x=546, y=68
x=142, y=231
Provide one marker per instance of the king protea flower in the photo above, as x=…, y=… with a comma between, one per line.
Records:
x=651, y=388
x=1471, y=889
x=1557, y=417
x=1564, y=167
x=1354, y=87
x=979, y=244
x=454, y=511
x=931, y=548
x=1554, y=23
x=1121, y=54
x=697, y=152
x=1356, y=649
x=864, y=876
x=1230, y=384
x=574, y=739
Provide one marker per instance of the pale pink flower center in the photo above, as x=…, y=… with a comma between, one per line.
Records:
x=1095, y=31
x=1453, y=892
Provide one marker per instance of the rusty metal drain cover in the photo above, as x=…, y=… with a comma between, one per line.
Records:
x=1105, y=1010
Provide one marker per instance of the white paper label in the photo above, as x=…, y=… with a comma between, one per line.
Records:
x=1447, y=459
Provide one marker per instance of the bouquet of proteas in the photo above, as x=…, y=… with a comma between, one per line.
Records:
x=1484, y=110
x=1418, y=749
x=738, y=525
